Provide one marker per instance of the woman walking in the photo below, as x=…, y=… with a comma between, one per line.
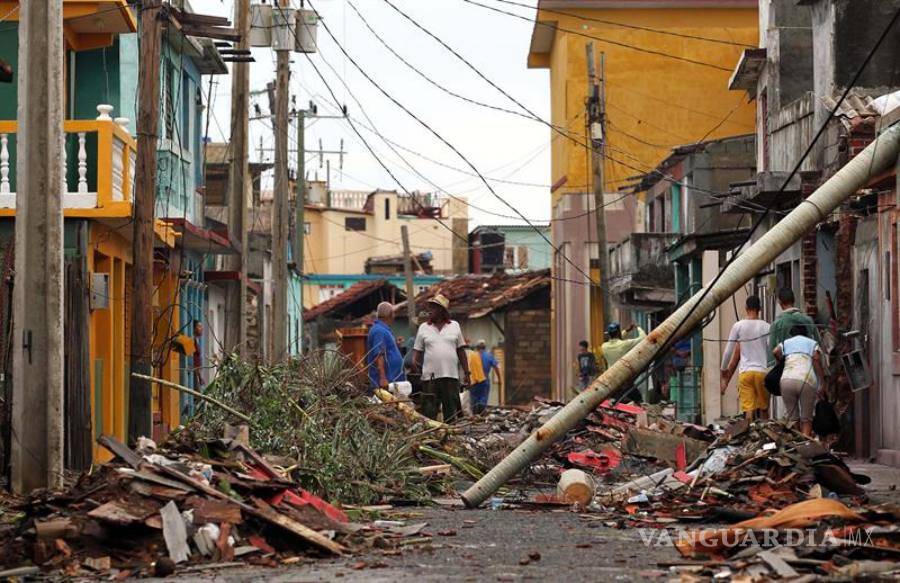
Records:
x=802, y=374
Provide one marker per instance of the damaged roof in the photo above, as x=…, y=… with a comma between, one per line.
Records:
x=356, y=301
x=475, y=296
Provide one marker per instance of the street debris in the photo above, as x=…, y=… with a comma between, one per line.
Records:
x=322, y=467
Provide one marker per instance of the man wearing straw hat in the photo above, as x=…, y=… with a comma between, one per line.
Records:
x=439, y=352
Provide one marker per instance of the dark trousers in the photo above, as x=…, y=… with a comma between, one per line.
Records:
x=441, y=395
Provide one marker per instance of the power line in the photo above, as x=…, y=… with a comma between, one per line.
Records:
x=601, y=39
x=626, y=25
x=605, y=154
x=452, y=147
x=787, y=180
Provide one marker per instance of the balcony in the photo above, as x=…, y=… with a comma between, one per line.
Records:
x=640, y=275
x=98, y=169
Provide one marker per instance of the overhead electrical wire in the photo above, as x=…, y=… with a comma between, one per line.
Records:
x=796, y=168
x=452, y=147
x=626, y=25
x=601, y=39
x=604, y=153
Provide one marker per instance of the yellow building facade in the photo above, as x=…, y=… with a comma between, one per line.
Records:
x=666, y=66
x=341, y=236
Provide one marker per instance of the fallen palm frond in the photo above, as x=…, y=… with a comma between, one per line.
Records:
x=309, y=409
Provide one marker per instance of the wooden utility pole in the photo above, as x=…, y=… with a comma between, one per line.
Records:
x=596, y=114
x=280, y=211
x=140, y=422
x=239, y=186
x=407, y=269
x=37, y=344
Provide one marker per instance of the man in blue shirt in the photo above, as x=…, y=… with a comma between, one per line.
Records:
x=488, y=363
x=383, y=358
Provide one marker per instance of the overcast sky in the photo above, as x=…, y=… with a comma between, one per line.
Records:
x=498, y=144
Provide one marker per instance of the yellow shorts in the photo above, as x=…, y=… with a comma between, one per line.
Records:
x=752, y=393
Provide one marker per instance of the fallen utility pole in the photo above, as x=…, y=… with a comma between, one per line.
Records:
x=407, y=269
x=879, y=156
x=239, y=186
x=596, y=115
x=37, y=342
x=139, y=393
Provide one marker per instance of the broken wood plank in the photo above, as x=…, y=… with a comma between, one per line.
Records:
x=661, y=446
x=175, y=533
x=122, y=451
x=216, y=511
x=266, y=512
x=778, y=565
x=156, y=491
x=56, y=528
x=122, y=513
x=154, y=478
x=269, y=515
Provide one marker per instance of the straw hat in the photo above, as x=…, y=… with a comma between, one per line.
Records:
x=440, y=300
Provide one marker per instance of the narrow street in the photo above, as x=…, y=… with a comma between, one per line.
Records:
x=492, y=545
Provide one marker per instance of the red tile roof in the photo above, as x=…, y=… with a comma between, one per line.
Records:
x=475, y=296
x=356, y=292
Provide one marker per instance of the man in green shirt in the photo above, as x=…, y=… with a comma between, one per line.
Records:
x=616, y=347
x=790, y=316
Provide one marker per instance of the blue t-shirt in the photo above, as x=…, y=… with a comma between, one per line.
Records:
x=487, y=363
x=381, y=341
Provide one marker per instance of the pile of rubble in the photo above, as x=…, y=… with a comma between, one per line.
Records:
x=152, y=511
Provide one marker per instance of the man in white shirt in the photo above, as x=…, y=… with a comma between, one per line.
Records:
x=747, y=351
x=439, y=352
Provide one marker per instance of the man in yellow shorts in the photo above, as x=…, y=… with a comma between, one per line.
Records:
x=747, y=351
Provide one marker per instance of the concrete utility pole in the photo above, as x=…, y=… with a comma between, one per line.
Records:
x=596, y=116
x=280, y=211
x=878, y=157
x=37, y=402
x=239, y=185
x=300, y=230
x=140, y=422
x=407, y=269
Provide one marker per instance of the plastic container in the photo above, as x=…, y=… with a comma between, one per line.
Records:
x=402, y=389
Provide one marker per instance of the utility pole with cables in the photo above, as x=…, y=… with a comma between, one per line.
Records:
x=139, y=401
x=280, y=209
x=239, y=186
x=596, y=118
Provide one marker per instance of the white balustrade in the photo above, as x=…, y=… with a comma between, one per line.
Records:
x=118, y=169
x=4, y=164
x=63, y=186
x=78, y=195
x=82, y=163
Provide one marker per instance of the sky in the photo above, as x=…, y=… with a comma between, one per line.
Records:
x=498, y=144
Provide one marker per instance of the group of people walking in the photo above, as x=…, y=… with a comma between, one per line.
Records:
x=440, y=365
x=791, y=345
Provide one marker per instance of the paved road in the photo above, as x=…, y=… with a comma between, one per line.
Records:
x=489, y=546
